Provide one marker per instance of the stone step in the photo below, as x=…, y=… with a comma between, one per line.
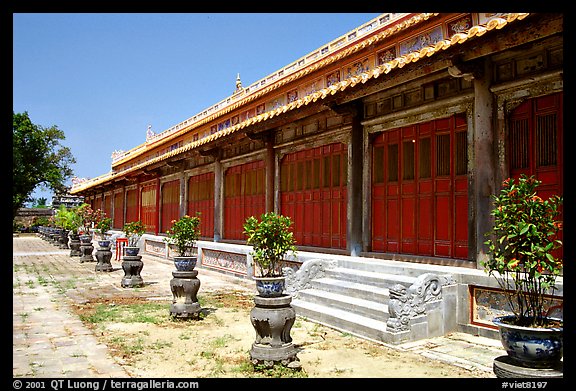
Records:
x=351, y=288
x=342, y=320
x=373, y=309
x=378, y=279
x=387, y=266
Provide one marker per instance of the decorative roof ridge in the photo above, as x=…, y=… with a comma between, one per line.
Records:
x=398, y=62
x=309, y=68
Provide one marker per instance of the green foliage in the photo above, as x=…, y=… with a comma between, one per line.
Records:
x=134, y=230
x=522, y=246
x=38, y=159
x=184, y=233
x=40, y=221
x=271, y=239
x=104, y=225
x=67, y=219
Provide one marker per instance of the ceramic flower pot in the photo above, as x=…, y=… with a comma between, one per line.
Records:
x=185, y=264
x=532, y=347
x=270, y=286
x=104, y=243
x=132, y=251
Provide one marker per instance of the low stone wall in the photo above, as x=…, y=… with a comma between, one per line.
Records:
x=478, y=297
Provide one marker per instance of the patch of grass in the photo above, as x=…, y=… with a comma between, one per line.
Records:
x=127, y=347
x=154, y=313
x=278, y=370
x=184, y=336
x=43, y=281
x=158, y=345
x=222, y=342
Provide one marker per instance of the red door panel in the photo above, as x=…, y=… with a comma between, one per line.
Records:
x=419, y=190
x=313, y=195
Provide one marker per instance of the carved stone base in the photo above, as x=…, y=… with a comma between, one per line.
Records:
x=86, y=250
x=103, y=256
x=132, y=266
x=506, y=367
x=273, y=318
x=184, y=287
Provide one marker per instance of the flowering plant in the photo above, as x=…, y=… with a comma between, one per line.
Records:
x=104, y=225
x=184, y=233
x=271, y=239
x=522, y=246
x=89, y=216
x=134, y=231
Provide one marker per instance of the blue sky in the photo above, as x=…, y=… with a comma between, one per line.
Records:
x=102, y=78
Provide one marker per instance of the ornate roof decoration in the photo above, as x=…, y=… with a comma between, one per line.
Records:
x=458, y=38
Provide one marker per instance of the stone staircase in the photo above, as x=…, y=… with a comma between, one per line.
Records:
x=381, y=300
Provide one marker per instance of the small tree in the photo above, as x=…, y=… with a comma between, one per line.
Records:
x=103, y=225
x=271, y=239
x=522, y=245
x=134, y=230
x=184, y=233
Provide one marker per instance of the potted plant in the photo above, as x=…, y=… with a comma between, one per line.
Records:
x=68, y=221
x=86, y=214
x=183, y=234
x=134, y=231
x=522, y=249
x=102, y=227
x=271, y=240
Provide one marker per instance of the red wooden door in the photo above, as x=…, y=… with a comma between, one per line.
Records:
x=244, y=196
x=131, y=206
x=201, y=200
x=170, y=204
x=118, y=211
x=313, y=194
x=536, y=142
x=107, y=207
x=148, y=211
x=419, y=189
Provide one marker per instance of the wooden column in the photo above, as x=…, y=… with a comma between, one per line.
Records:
x=354, y=206
x=183, y=192
x=354, y=188
x=270, y=173
x=484, y=170
x=218, y=194
x=158, y=209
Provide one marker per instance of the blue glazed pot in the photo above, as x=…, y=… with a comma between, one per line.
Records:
x=530, y=346
x=104, y=243
x=185, y=264
x=270, y=286
x=132, y=251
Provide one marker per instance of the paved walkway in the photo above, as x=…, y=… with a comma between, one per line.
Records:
x=50, y=341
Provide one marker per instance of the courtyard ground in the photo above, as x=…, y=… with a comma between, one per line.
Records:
x=71, y=321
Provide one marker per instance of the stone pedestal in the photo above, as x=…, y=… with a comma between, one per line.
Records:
x=273, y=318
x=103, y=256
x=74, y=244
x=184, y=287
x=63, y=240
x=86, y=249
x=132, y=266
x=507, y=367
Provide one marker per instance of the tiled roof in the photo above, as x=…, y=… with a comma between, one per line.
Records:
x=398, y=62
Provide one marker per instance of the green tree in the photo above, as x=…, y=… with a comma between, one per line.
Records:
x=38, y=159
